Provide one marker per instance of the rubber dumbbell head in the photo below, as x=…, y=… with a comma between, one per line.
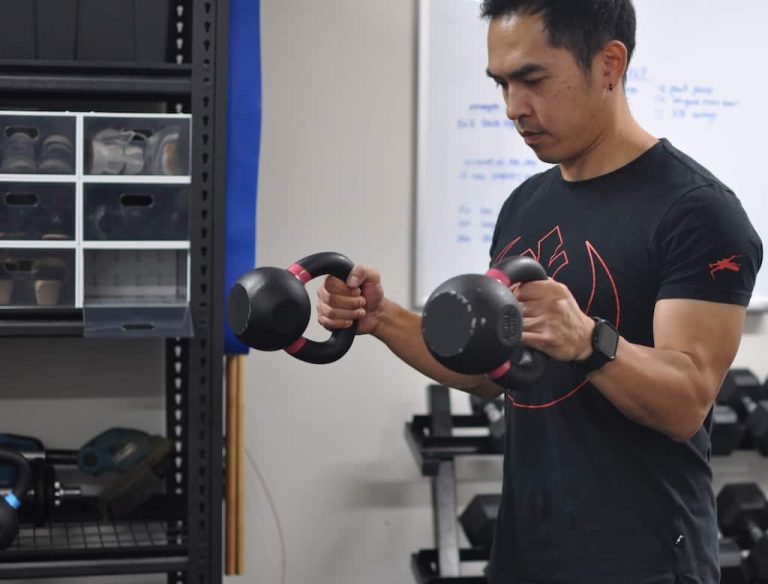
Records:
x=479, y=519
x=742, y=390
x=727, y=431
x=732, y=567
x=742, y=513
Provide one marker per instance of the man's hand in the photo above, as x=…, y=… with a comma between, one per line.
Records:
x=552, y=320
x=359, y=298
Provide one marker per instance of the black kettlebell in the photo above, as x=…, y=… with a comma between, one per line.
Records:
x=9, y=505
x=472, y=324
x=269, y=309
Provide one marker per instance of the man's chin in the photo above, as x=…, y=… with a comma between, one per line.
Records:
x=545, y=155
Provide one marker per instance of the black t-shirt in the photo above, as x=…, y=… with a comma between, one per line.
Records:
x=589, y=496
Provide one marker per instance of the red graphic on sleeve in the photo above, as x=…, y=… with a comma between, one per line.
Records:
x=724, y=264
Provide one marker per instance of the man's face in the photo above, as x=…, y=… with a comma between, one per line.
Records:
x=556, y=107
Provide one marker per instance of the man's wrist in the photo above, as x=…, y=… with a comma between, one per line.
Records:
x=386, y=319
x=604, y=342
x=588, y=331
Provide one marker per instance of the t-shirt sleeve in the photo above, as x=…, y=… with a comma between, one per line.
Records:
x=708, y=249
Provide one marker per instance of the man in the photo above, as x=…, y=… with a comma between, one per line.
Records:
x=651, y=261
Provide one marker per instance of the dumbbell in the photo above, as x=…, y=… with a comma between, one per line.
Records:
x=742, y=514
x=479, y=519
x=742, y=391
x=44, y=493
x=493, y=411
x=269, y=309
x=732, y=562
x=472, y=324
x=731, y=570
x=727, y=431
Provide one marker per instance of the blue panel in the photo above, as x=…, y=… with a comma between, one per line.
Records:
x=244, y=132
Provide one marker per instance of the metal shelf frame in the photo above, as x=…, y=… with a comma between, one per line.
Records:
x=435, y=446
x=194, y=366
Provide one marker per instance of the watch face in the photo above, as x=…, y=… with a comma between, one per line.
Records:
x=607, y=339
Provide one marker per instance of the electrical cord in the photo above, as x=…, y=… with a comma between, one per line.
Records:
x=273, y=508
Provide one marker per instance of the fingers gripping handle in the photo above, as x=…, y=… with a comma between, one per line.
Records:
x=306, y=269
x=525, y=365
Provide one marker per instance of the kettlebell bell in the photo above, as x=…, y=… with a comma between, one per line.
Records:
x=10, y=504
x=269, y=309
x=472, y=324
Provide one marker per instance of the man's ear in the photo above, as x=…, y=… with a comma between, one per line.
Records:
x=611, y=63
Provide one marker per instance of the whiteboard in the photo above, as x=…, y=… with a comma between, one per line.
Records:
x=696, y=78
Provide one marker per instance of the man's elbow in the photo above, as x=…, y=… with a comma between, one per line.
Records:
x=688, y=424
x=683, y=434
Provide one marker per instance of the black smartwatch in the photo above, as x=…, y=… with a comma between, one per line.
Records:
x=605, y=340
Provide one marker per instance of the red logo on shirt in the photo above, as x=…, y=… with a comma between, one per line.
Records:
x=724, y=264
x=550, y=252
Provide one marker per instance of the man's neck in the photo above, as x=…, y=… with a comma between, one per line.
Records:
x=616, y=147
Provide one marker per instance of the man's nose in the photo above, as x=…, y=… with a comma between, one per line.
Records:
x=517, y=106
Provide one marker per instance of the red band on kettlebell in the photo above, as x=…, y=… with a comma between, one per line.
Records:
x=499, y=371
x=296, y=346
x=299, y=271
x=499, y=275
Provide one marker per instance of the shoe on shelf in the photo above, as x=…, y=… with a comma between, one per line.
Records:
x=18, y=152
x=57, y=155
x=116, y=151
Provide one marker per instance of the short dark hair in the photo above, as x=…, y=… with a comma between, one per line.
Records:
x=583, y=27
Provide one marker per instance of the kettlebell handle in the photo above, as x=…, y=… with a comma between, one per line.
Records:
x=307, y=269
x=526, y=365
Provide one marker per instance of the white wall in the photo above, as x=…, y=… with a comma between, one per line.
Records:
x=336, y=172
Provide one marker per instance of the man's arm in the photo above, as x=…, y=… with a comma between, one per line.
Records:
x=669, y=387
x=672, y=386
x=362, y=299
x=400, y=330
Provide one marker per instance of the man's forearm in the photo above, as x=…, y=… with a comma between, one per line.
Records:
x=400, y=330
x=663, y=389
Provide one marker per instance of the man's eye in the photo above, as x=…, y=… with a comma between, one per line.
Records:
x=533, y=82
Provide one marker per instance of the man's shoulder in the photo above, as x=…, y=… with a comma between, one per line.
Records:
x=688, y=173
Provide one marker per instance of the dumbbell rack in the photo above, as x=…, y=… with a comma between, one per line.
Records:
x=435, y=447
x=179, y=536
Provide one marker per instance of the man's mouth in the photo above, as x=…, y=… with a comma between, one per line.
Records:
x=531, y=137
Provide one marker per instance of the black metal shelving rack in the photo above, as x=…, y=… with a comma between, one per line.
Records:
x=187, y=548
